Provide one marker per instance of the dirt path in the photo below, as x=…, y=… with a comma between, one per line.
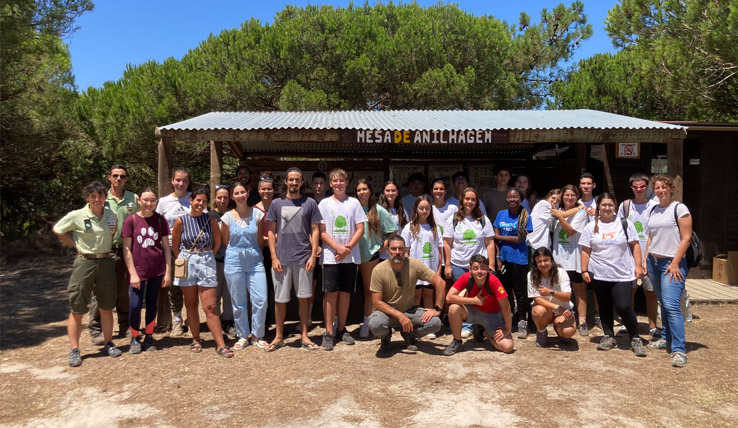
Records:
x=556, y=386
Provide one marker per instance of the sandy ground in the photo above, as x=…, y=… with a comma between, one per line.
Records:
x=561, y=385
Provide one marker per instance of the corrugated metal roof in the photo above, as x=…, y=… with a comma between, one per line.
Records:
x=414, y=120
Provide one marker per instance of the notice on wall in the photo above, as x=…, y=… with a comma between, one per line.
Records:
x=629, y=151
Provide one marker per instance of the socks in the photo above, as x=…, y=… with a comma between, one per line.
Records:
x=178, y=316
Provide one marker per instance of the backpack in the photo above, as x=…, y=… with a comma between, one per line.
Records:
x=694, y=251
x=470, y=284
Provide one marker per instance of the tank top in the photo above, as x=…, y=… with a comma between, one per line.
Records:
x=191, y=228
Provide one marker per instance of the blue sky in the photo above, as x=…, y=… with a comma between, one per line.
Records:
x=118, y=33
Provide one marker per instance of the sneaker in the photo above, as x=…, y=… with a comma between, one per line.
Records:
x=522, y=329
x=606, y=343
x=659, y=344
x=75, y=360
x=111, y=350
x=410, y=343
x=327, y=342
x=429, y=336
x=346, y=337
x=655, y=333
x=583, y=330
x=622, y=331
x=231, y=331
x=135, y=346
x=466, y=333
x=479, y=333
x=598, y=322
x=453, y=347
x=149, y=344
x=384, y=345
x=177, y=329
x=636, y=345
x=364, y=331
x=678, y=359
x=97, y=339
x=541, y=338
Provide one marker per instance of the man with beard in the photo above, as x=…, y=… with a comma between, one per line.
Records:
x=393, y=290
x=294, y=231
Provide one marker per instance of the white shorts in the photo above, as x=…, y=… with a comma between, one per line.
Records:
x=200, y=270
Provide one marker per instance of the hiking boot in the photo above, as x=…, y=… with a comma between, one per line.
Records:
x=75, y=360
x=135, y=347
x=678, y=359
x=606, y=343
x=345, y=337
x=97, y=339
x=655, y=333
x=453, y=347
x=636, y=345
x=327, y=342
x=177, y=329
x=149, y=344
x=111, y=350
x=659, y=344
x=583, y=330
x=541, y=338
x=410, y=343
x=522, y=329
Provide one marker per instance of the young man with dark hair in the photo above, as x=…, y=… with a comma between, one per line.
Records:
x=460, y=182
x=417, y=182
x=587, y=186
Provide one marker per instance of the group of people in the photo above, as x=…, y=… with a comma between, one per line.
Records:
x=424, y=260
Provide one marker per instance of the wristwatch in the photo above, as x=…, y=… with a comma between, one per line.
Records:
x=437, y=308
x=552, y=292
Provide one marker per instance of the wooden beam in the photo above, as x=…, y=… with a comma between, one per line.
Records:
x=216, y=168
x=675, y=166
x=236, y=150
x=165, y=165
x=608, y=174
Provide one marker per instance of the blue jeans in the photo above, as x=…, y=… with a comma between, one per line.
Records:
x=669, y=293
x=245, y=287
x=456, y=272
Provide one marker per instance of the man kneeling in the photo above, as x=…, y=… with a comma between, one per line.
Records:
x=393, y=291
x=479, y=298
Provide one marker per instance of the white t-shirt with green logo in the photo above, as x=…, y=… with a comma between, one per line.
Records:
x=566, y=249
x=424, y=247
x=468, y=239
x=638, y=215
x=340, y=220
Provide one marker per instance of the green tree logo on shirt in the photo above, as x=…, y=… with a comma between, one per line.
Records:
x=427, y=250
x=340, y=224
x=639, y=227
x=469, y=234
x=563, y=236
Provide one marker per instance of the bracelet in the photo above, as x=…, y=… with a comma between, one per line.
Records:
x=585, y=271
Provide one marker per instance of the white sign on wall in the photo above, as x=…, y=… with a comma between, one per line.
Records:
x=629, y=151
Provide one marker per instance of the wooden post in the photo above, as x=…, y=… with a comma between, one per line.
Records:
x=216, y=168
x=581, y=159
x=675, y=166
x=165, y=165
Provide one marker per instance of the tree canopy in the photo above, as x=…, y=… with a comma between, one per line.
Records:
x=678, y=61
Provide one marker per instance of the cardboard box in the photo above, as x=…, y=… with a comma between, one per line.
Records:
x=725, y=268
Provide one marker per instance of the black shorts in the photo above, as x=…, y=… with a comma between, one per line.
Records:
x=574, y=276
x=339, y=277
x=427, y=286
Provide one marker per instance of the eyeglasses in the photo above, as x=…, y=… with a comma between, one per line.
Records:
x=398, y=277
x=638, y=186
x=121, y=176
x=222, y=186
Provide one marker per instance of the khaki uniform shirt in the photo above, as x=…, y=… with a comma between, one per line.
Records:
x=92, y=235
x=123, y=208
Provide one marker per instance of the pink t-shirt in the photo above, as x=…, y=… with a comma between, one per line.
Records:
x=148, y=254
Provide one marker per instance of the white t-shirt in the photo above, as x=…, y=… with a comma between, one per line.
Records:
x=541, y=218
x=566, y=249
x=256, y=215
x=564, y=286
x=340, y=220
x=172, y=209
x=424, y=247
x=453, y=201
x=444, y=214
x=468, y=239
x=408, y=203
x=610, y=258
x=665, y=233
x=591, y=203
x=638, y=215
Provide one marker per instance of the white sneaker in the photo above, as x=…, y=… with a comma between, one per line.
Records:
x=466, y=333
x=429, y=336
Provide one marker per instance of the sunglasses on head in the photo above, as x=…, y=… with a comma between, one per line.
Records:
x=121, y=176
x=222, y=186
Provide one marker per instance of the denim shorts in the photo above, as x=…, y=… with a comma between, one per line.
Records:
x=201, y=269
x=491, y=322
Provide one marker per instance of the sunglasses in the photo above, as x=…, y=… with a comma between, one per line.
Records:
x=121, y=176
x=398, y=277
x=222, y=186
x=638, y=186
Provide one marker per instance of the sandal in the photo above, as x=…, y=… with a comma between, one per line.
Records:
x=225, y=352
x=261, y=343
x=196, y=346
x=310, y=346
x=274, y=346
x=242, y=343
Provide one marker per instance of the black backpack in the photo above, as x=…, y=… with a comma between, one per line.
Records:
x=470, y=285
x=694, y=251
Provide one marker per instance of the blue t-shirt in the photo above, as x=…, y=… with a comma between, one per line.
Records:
x=508, y=226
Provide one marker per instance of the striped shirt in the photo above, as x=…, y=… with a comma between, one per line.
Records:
x=191, y=228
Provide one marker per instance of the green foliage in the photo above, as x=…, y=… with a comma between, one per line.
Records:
x=678, y=61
